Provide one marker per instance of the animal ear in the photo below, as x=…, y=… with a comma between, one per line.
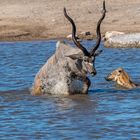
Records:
x=98, y=52
x=120, y=70
x=75, y=56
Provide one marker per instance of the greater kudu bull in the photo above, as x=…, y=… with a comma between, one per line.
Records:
x=65, y=71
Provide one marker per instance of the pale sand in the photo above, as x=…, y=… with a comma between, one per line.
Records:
x=44, y=19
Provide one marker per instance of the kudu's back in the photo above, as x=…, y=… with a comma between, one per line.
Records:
x=55, y=75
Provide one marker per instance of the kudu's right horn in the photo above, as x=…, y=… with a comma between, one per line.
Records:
x=98, y=32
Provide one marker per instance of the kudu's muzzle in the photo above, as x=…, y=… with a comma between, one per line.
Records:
x=93, y=72
x=90, y=69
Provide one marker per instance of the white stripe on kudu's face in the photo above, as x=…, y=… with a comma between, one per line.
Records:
x=88, y=65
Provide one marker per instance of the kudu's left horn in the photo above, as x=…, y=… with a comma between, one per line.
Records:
x=74, y=38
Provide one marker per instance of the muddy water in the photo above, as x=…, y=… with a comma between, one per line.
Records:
x=107, y=112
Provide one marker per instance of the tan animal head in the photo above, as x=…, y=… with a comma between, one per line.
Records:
x=110, y=34
x=121, y=77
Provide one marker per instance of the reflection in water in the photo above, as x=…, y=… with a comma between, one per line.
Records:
x=105, y=113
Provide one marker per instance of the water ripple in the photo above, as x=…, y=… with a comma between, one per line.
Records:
x=107, y=112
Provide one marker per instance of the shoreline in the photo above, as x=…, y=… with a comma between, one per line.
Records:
x=29, y=20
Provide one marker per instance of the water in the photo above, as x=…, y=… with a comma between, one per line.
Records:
x=106, y=113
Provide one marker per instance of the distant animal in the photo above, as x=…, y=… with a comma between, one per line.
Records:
x=110, y=34
x=66, y=70
x=115, y=39
x=121, y=77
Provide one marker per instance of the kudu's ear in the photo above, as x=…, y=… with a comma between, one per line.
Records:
x=98, y=52
x=75, y=56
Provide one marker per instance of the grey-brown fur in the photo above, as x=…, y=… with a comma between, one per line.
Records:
x=62, y=74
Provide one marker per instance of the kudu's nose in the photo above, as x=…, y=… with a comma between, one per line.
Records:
x=93, y=73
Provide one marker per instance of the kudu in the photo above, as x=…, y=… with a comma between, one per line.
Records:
x=65, y=71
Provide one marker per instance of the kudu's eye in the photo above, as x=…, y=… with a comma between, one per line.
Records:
x=86, y=60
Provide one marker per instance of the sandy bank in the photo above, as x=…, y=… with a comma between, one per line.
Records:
x=43, y=19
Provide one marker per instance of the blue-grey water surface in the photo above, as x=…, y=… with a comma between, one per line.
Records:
x=106, y=113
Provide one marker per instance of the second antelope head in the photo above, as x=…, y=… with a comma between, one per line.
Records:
x=88, y=58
